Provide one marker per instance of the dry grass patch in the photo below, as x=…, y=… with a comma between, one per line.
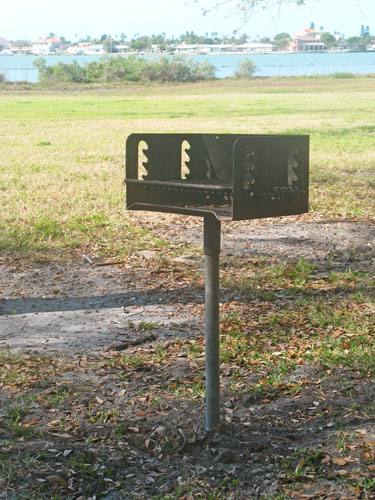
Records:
x=63, y=153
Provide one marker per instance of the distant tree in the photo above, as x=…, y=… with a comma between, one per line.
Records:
x=243, y=38
x=312, y=26
x=265, y=39
x=51, y=35
x=356, y=43
x=365, y=31
x=282, y=40
x=328, y=40
x=109, y=45
x=44, y=71
x=160, y=41
x=141, y=43
x=245, y=69
x=21, y=43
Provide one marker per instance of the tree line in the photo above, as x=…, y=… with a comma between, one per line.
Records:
x=140, y=43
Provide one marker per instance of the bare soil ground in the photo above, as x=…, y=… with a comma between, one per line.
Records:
x=107, y=399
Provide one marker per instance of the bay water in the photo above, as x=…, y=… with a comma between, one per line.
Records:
x=20, y=68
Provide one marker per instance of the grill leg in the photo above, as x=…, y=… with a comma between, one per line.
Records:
x=211, y=243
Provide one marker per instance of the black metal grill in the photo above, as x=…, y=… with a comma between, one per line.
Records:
x=219, y=177
x=235, y=177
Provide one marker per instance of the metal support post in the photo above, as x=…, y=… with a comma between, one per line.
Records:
x=211, y=244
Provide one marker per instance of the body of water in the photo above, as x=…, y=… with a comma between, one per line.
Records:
x=18, y=68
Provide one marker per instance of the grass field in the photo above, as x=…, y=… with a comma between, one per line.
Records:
x=62, y=152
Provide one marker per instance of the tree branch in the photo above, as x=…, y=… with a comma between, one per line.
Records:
x=245, y=7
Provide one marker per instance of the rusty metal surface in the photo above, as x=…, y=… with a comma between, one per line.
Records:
x=234, y=177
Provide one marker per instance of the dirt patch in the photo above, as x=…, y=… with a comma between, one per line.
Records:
x=102, y=380
x=76, y=307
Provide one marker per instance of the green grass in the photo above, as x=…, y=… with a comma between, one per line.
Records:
x=63, y=151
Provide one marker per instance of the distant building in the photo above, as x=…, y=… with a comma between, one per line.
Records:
x=25, y=50
x=306, y=40
x=202, y=48
x=45, y=46
x=76, y=50
x=122, y=48
x=96, y=49
x=254, y=47
x=187, y=48
x=73, y=50
x=4, y=44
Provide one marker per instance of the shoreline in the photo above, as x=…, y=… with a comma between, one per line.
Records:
x=199, y=53
x=270, y=64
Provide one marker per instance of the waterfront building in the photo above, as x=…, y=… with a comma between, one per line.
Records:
x=122, y=48
x=255, y=47
x=94, y=50
x=306, y=40
x=45, y=46
x=20, y=51
x=202, y=48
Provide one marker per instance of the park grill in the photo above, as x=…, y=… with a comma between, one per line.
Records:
x=218, y=177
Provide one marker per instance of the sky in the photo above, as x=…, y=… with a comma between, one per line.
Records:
x=74, y=19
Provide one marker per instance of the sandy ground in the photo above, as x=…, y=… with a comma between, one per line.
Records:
x=76, y=307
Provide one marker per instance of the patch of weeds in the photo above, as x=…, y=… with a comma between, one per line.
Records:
x=160, y=352
x=123, y=377
x=145, y=325
x=45, y=228
x=188, y=388
x=12, y=422
x=85, y=464
x=280, y=495
x=270, y=386
x=101, y=416
x=154, y=400
x=300, y=272
x=194, y=348
x=22, y=371
x=10, y=467
x=92, y=474
x=235, y=347
x=357, y=353
x=367, y=483
x=6, y=443
x=55, y=396
x=347, y=278
x=309, y=462
x=344, y=439
x=120, y=429
x=267, y=281
x=198, y=489
x=133, y=361
x=342, y=74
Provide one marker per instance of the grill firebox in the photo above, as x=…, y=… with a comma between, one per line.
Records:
x=234, y=177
